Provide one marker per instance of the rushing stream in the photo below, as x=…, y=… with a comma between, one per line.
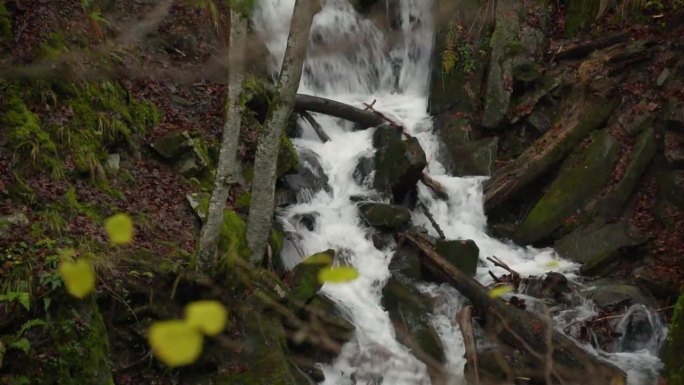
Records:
x=353, y=61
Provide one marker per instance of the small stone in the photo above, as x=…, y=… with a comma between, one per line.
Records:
x=385, y=216
x=663, y=76
x=113, y=162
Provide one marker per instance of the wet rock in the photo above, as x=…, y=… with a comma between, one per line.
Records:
x=309, y=180
x=612, y=295
x=463, y=254
x=409, y=312
x=640, y=328
x=553, y=286
x=385, y=135
x=384, y=216
x=527, y=103
x=582, y=175
x=307, y=220
x=597, y=244
x=540, y=119
x=285, y=197
x=305, y=283
x=363, y=170
x=674, y=149
x=406, y=263
x=398, y=169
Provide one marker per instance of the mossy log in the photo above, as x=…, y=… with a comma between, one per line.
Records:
x=585, y=112
x=518, y=328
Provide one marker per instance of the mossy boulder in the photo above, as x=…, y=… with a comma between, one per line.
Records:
x=581, y=176
x=264, y=356
x=398, y=168
x=471, y=158
x=385, y=135
x=462, y=254
x=673, y=352
x=305, y=282
x=188, y=154
x=384, y=216
x=597, y=244
x=80, y=337
x=406, y=263
x=409, y=310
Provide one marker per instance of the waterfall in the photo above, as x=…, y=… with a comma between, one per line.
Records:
x=353, y=61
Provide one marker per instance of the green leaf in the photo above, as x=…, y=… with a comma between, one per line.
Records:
x=208, y=316
x=25, y=300
x=22, y=344
x=499, y=291
x=119, y=229
x=79, y=277
x=175, y=343
x=337, y=274
x=29, y=324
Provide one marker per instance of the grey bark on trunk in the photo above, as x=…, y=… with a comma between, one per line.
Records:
x=228, y=170
x=263, y=186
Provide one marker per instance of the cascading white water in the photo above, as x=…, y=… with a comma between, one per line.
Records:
x=352, y=61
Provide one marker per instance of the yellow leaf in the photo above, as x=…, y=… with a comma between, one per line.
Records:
x=552, y=264
x=175, y=342
x=208, y=316
x=337, y=274
x=499, y=291
x=119, y=229
x=324, y=258
x=78, y=277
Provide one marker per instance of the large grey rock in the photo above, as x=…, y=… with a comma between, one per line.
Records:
x=472, y=158
x=398, y=168
x=597, y=244
x=384, y=216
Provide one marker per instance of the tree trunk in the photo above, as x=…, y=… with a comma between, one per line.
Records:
x=263, y=186
x=228, y=171
x=523, y=330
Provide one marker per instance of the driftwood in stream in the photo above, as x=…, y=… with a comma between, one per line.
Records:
x=523, y=330
x=339, y=110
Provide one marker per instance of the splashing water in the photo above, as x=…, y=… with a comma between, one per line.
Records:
x=353, y=61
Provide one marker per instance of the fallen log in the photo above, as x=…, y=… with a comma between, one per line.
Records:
x=583, y=48
x=363, y=118
x=316, y=126
x=463, y=318
x=518, y=328
x=585, y=112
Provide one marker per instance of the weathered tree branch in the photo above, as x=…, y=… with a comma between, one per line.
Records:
x=571, y=363
x=316, y=126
